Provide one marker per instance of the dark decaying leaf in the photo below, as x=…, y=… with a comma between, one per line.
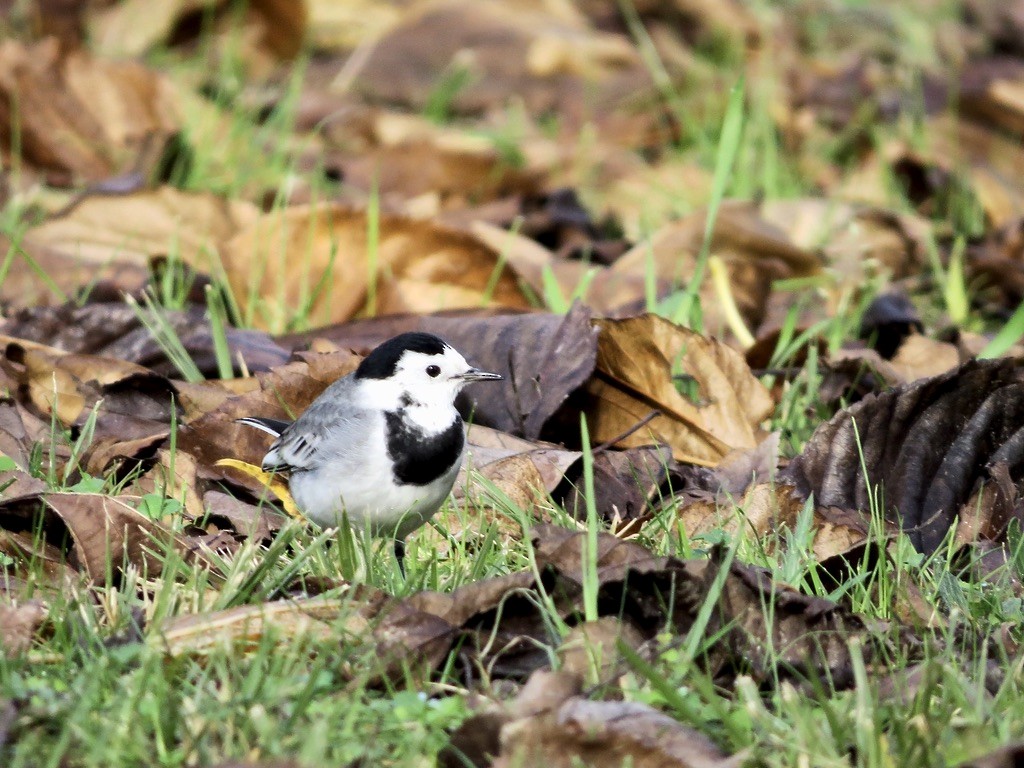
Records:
x=111, y=328
x=927, y=445
x=542, y=357
x=626, y=485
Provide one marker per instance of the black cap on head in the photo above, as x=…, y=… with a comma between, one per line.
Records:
x=382, y=362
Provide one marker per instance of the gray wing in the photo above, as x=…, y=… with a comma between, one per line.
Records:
x=328, y=427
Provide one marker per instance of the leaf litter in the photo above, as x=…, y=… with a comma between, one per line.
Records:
x=526, y=183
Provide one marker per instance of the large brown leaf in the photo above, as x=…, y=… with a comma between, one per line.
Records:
x=133, y=228
x=637, y=360
x=107, y=534
x=754, y=251
x=80, y=118
x=318, y=261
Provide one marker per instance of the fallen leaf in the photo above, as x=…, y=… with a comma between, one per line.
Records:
x=112, y=329
x=548, y=57
x=107, y=534
x=101, y=229
x=754, y=251
x=926, y=445
x=82, y=118
x=637, y=360
x=321, y=263
x=551, y=724
x=133, y=27
x=272, y=482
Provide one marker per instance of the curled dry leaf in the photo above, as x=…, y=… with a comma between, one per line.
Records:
x=319, y=262
x=542, y=358
x=926, y=445
x=133, y=407
x=638, y=362
x=81, y=118
x=102, y=229
x=522, y=470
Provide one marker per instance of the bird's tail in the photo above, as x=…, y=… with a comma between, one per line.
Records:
x=271, y=426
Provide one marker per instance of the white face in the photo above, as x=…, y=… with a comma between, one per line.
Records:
x=431, y=381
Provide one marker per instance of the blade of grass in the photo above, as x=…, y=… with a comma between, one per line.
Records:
x=728, y=147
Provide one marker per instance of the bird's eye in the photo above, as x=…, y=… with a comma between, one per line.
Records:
x=433, y=371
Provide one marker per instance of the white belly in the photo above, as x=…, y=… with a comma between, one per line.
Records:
x=380, y=507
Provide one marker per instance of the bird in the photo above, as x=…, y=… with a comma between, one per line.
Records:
x=382, y=445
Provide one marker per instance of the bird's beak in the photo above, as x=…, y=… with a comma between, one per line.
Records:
x=475, y=374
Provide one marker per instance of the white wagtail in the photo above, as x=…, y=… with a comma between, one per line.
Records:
x=382, y=445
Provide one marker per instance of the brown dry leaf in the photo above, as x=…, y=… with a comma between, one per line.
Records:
x=23, y=287
x=754, y=251
x=409, y=158
x=532, y=261
x=547, y=55
x=928, y=445
x=319, y=259
x=551, y=724
x=20, y=430
x=273, y=28
x=107, y=533
x=133, y=407
x=18, y=626
x=245, y=626
x=80, y=118
x=856, y=242
x=523, y=470
x=637, y=359
x=131, y=229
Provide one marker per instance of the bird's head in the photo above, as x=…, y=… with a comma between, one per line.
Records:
x=416, y=369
